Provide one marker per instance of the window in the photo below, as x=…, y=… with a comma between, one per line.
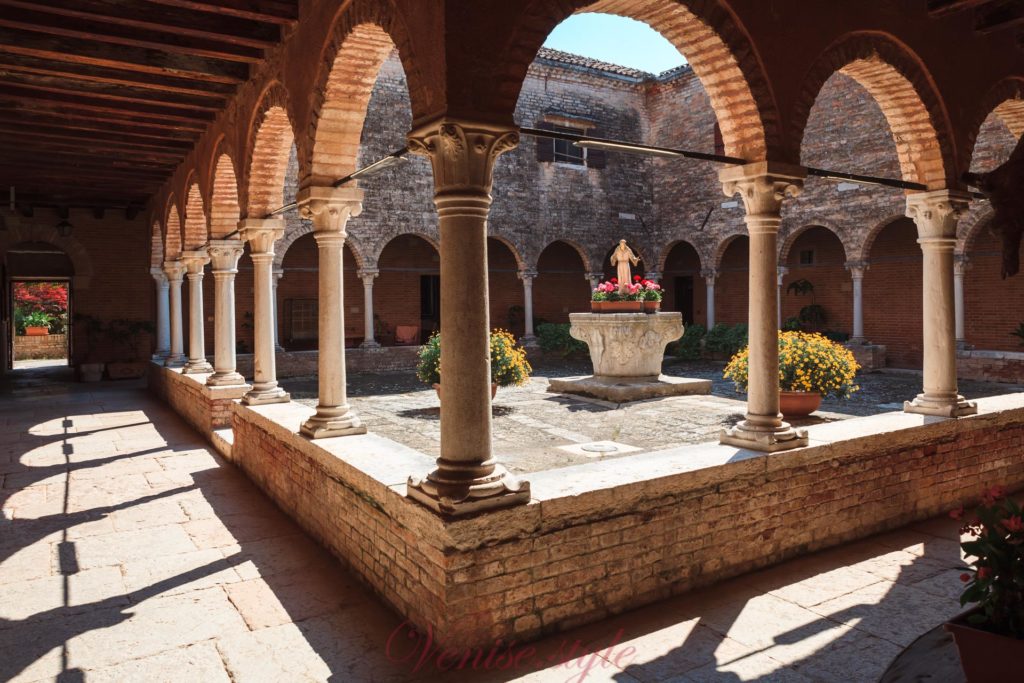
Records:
x=565, y=151
x=807, y=257
x=302, y=319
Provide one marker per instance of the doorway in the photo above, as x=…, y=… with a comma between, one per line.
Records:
x=37, y=306
x=430, y=306
x=684, y=297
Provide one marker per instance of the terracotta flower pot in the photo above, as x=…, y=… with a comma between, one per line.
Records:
x=799, y=403
x=36, y=331
x=985, y=656
x=622, y=307
x=652, y=306
x=494, y=390
x=597, y=306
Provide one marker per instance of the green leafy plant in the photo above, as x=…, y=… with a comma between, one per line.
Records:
x=812, y=316
x=37, y=319
x=995, y=579
x=726, y=339
x=126, y=335
x=688, y=347
x=791, y=325
x=555, y=338
x=509, y=366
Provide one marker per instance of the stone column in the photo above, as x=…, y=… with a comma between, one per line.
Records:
x=960, y=265
x=330, y=208
x=709, y=285
x=175, y=271
x=194, y=262
x=278, y=274
x=224, y=255
x=778, y=295
x=368, y=276
x=163, y=315
x=467, y=479
x=261, y=233
x=857, y=269
x=527, y=276
x=936, y=214
x=594, y=279
x=763, y=185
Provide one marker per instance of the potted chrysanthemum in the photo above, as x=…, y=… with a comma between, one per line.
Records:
x=509, y=366
x=811, y=367
x=990, y=636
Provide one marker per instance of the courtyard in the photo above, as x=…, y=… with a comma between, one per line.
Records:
x=535, y=430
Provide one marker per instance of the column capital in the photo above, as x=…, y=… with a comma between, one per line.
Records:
x=159, y=275
x=762, y=186
x=709, y=275
x=195, y=261
x=527, y=274
x=936, y=214
x=367, y=275
x=224, y=255
x=857, y=269
x=174, y=270
x=462, y=153
x=261, y=233
x=593, y=276
x=961, y=262
x=330, y=208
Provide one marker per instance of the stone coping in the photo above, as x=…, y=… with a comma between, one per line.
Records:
x=234, y=391
x=379, y=469
x=995, y=355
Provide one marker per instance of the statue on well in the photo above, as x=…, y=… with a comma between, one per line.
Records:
x=622, y=257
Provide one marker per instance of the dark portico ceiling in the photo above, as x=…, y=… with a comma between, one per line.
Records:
x=100, y=100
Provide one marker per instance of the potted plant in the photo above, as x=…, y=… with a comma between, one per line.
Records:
x=651, y=293
x=640, y=295
x=509, y=366
x=126, y=336
x=37, y=324
x=810, y=368
x=990, y=636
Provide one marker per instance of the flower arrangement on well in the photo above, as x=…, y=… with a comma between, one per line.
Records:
x=639, y=290
x=509, y=366
x=995, y=579
x=808, y=362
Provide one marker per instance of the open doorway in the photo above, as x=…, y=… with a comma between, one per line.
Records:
x=38, y=297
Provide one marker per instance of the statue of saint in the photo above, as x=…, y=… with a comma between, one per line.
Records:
x=622, y=257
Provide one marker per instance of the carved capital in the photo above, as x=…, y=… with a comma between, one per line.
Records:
x=224, y=255
x=960, y=264
x=160, y=276
x=329, y=208
x=195, y=261
x=936, y=214
x=527, y=275
x=261, y=233
x=709, y=276
x=368, y=276
x=763, y=186
x=857, y=269
x=174, y=270
x=462, y=153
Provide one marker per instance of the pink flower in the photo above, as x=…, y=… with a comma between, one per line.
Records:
x=984, y=573
x=993, y=494
x=958, y=513
x=653, y=286
x=1014, y=524
x=965, y=577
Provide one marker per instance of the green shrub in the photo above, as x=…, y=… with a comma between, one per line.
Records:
x=509, y=366
x=428, y=370
x=726, y=339
x=555, y=338
x=688, y=346
x=37, y=319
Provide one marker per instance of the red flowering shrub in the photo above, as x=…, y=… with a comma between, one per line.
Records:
x=47, y=298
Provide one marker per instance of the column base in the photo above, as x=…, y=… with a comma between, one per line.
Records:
x=176, y=360
x=279, y=349
x=329, y=422
x=197, y=367
x=856, y=341
x=160, y=357
x=762, y=439
x=264, y=394
x=370, y=344
x=225, y=379
x=456, y=498
x=962, y=345
x=941, y=406
x=529, y=341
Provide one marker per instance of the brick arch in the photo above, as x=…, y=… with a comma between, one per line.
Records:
x=305, y=228
x=172, y=231
x=863, y=252
x=225, y=210
x=663, y=259
x=271, y=136
x=363, y=37
x=709, y=35
x=156, y=246
x=432, y=241
x=791, y=238
x=903, y=89
x=1006, y=101
x=584, y=256
x=81, y=262
x=971, y=226
x=520, y=262
x=723, y=245
x=196, y=231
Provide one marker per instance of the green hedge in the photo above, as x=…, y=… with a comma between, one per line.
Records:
x=555, y=338
x=726, y=339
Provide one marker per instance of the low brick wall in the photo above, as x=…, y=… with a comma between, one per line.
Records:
x=991, y=366
x=304, y=363
x=205, y=408
x=33, y=348
x=605, y=537
x=868, y=356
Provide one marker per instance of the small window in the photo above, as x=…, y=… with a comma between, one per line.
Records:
x=807, y=257
x=565, y=151
x=302, y=319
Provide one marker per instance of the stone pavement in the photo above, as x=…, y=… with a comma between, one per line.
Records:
x=129, y=551
x=535, y=430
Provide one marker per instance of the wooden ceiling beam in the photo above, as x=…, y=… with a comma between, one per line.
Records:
x=939, y=8
x=43, y=99
x=109, y=92
x=26, y=143
x=121, y=57
x=71, y=168
x=79, y=201
x=999, y=17
x=18, y=64
x=44, y=135
x=70, y=120
x=225, y=29
x=270, y=11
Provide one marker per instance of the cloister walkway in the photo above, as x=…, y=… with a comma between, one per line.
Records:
x=130, y=551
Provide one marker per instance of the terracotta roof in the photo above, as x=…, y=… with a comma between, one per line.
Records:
x=547, y=54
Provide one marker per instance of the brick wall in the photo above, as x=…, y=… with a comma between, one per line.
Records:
x=893, y=296
x=833, y=288
x=48, y=346
x=205, y=408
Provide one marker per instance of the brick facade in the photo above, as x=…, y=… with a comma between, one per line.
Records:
x=48, y=346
